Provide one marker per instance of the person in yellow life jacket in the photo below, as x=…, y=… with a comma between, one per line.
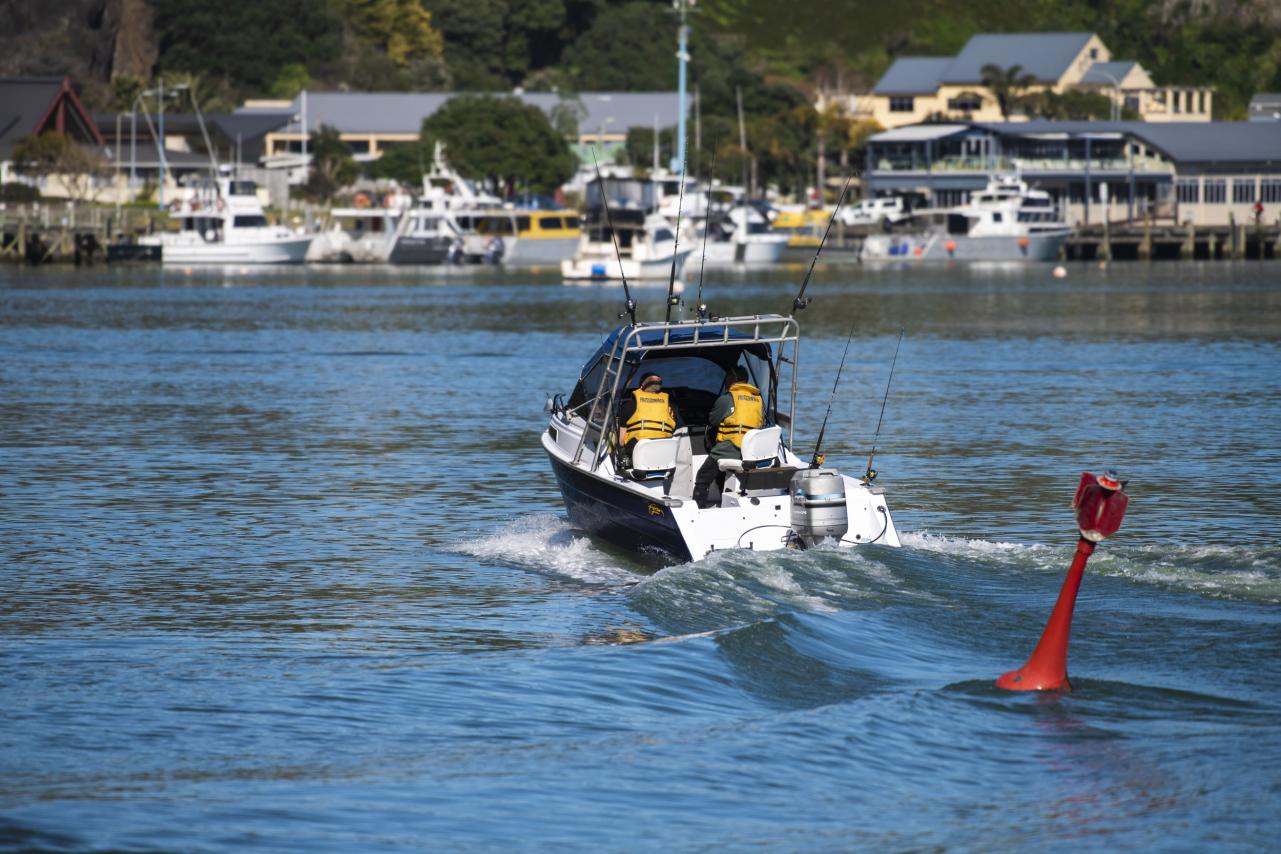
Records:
x=738, y=410
x=646, y=413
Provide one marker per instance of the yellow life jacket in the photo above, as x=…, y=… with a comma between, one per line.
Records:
x=748, y=413
x=653, y=418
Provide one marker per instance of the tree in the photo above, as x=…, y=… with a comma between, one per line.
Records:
x=502, y=140
x=1006, y=84
x=332, y=166
x=54, y=154
x=401, y=28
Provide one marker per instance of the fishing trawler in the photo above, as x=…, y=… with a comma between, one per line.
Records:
x=222, y=222
x=645, y=499
x=633, y=242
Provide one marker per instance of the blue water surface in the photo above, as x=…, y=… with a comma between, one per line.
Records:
x=283, y=568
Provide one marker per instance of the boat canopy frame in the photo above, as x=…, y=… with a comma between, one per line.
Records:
x=684, y=335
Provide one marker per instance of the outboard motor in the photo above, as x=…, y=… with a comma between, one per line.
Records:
x=818, y=505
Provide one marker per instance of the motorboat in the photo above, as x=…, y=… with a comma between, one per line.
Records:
x=1006, y=221
x=222, y=222
x=519, y=237
x=741, y=235
x=624, y=236
x=770, y=499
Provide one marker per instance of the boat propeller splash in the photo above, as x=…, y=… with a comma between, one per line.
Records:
x=1100, y=504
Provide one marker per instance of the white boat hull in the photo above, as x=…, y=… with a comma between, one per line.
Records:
x=945, y=247
x=268, y=252
x=750, y=252
x=630, y=268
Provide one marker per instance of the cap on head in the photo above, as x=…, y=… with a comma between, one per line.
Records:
x=650, y=378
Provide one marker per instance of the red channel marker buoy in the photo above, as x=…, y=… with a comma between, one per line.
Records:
x=1100, y=505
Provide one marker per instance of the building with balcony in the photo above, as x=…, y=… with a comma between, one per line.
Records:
x=915, y=89
x=1205, y=173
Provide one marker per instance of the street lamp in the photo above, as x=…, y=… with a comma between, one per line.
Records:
x=1115, y=112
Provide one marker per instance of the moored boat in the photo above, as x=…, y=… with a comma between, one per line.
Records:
x=628, y=239
x=222, y=222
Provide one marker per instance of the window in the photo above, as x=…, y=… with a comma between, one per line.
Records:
x=662, y=235
x=550, y=222
x=1094, y=53
x=571, y=222
x=902, y=104
x=1216, y=191
x=250, y=221
x=1271, y=190
x=1243, y=190
x=522, y=223
x=966, y=102
x=1189, y=190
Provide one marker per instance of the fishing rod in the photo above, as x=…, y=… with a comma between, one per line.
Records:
x=800, y=302
x=629, y=304
x=676, y=245
x=707, y=226
x=870, y=474
x=817, y=459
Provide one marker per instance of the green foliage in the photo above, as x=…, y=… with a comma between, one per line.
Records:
x=19, y=193
x=332, y=166
x=1074, y=104
x=1006, y=85
x=124, y=91
x=502, y=140
x=291, y=80
x=405, y=162
x=52, y=153
x=401, y=28
x=628, y=48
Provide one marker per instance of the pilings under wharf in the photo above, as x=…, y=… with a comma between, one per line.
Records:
x=1142, y=241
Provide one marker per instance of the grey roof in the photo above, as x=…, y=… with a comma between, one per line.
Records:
x=913, y=75
x=1182, y=142
x=403, y=112
x=1044, y=55
x=1103, y=73
x=24, y=101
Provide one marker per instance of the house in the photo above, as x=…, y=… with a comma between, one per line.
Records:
x=369, y=122
x=30, y=106
x=1205, y=173
x=915, y=89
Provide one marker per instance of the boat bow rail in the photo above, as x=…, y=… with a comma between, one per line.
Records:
x=630, y=344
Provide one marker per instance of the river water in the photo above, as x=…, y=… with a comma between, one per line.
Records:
x=284, y=568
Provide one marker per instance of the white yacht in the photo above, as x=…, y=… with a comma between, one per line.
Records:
x=222, y=222
x=741, y=235
x=1005, y=221
x=646, y=239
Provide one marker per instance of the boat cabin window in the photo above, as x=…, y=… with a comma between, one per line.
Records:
x=663, y=234
x=497, y=226
x=571, y=222
x=522, y=223
x=551, y=223
x=694, y=382
x=996, y=217
x=250, y=221
x=242, y=188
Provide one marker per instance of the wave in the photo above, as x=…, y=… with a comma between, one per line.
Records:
x=548, y=543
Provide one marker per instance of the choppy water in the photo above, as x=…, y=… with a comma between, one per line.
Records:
x=284, y=568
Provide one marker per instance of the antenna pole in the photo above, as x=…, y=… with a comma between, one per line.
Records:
x=817, y=459
x=629, y=304
x=800, y=302
x=672, y=299
x=870, y=474
x=707, y=226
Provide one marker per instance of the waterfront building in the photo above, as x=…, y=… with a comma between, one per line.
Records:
x=1203, y=173
x=1265, y=107
x=30, y=106
x=916, y=89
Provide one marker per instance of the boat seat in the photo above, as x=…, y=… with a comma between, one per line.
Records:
x=653, y=457
x=760, y=450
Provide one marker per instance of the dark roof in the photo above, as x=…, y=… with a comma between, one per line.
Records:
x=1044, y=55
x=1102, y=73
x=403, y=112
x=913, y=75
x=248, y=125
x=25, y=104
x=1182, y=142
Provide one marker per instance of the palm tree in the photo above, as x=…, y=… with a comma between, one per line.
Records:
x=1006, y=84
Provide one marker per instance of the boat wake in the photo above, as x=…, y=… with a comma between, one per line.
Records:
x=547, y=543
x=1241, y=573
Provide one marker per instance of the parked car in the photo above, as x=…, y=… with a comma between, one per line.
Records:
x=878, y=211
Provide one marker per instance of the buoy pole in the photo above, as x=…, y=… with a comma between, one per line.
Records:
x=1100, y=504
x=1046, y=670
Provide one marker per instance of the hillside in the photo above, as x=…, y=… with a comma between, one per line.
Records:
x=246, y=48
